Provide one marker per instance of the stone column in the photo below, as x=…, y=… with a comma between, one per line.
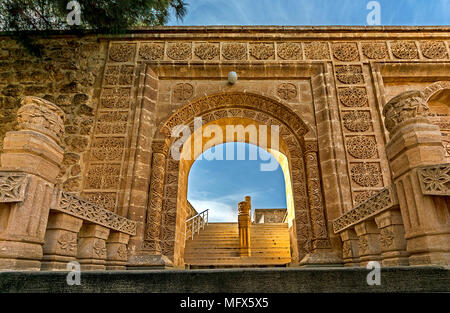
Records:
x=368, y=242
x=392, y=238
x=35, y=150
x=61, y=244
x=321, y=248
x=116, y=251
x=350, y=248
x=244, y=222
x=92, y=247
x=414, y=142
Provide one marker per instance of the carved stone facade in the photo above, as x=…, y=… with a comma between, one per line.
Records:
x=325, y=89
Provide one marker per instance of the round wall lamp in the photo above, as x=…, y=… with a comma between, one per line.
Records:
x=232, y=77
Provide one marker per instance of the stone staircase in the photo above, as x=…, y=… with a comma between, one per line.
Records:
x=217, y=246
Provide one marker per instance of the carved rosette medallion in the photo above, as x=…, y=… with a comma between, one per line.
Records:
x=262, y=51
x=366, y=174
x=434, y=49
x=234, y=51
x=362, y=147
x=357, y=121
x=375, y=50
x=386, y=239
x=122, y=52
x=206, y=51
x=287, y=91
x=179, y=51
x=317, y=51
x=349, y=74
x=152, y=51
x=353, y=97
x=405, y=50
x=290, y=51
x=183, y=91
x=346, y=52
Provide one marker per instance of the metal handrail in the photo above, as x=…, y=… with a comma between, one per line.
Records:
x=195, y=223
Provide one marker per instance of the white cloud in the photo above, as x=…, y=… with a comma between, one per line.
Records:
x=218, y=211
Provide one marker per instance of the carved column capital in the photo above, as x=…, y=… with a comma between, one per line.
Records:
x=406, y=106
x=160, y=146
x=311, y=146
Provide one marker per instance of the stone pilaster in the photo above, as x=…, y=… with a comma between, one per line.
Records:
x=350, y=247
x=392, y=238
x=116, y=251
x=244, y=223
x=33, y=150
x=368, y=242
x=92, y=247
x=414, y=142
x=61, y=245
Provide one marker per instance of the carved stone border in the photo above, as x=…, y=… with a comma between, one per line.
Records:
x=383, y=200
x=435, y=179
x=13, y=186
x=72, y=205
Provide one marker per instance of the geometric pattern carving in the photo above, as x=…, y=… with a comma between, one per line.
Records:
x=375, y=50
x=206, y=51
x=234, y=51
x=362, y=147
x=179, y=51
x=353, y=97
x=357, y=121
x=434, y=49
x=12, y=186
x=262, y=51
x=290, y=51
x=183, y=91
x=383, y=200
x=435, y=179
x=72, y=205
x=366, y=174
x=287, y=91
x=152, y=51
x=122, y=52
x=346, y=52
x=405, y=50
x=317, y=50
x=349, y=74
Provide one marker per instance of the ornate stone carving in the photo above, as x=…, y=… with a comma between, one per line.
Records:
x=206, y=51
x=366, y=174
x=12, y=186
x=102, y=199
x=122, y=252
x=387, y=238
x=363, y=245
x=346, y=52
x=151, y=51
x=234, y=51
x=100, y=248
x=435, y=87
x=405, y=50
x=353, y=97
x=111, y=123
x=122, y=52
x=115, y=98
x=381, y=201
x=290, y=51
x=362, y=147
x=435, y=179
x=317, y=51
x=68, y=242
x=42, y=116
x=72, y=205
x=183, y=91
x=262, y=51
x=375, y=50
x=107, y=148
x=349, y=74
x=405, y=106
x=179, y=51
x=287, y=91
x=434, y=49
x=357, y=121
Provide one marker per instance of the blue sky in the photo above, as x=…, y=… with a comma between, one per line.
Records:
x=313, y=12
x=219, y=185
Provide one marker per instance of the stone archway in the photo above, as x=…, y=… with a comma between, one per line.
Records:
x=165, y=220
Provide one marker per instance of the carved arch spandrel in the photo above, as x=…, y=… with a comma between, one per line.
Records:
x=262, y=110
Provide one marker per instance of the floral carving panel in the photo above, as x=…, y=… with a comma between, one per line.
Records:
x=12, y=186
x=435, y=179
